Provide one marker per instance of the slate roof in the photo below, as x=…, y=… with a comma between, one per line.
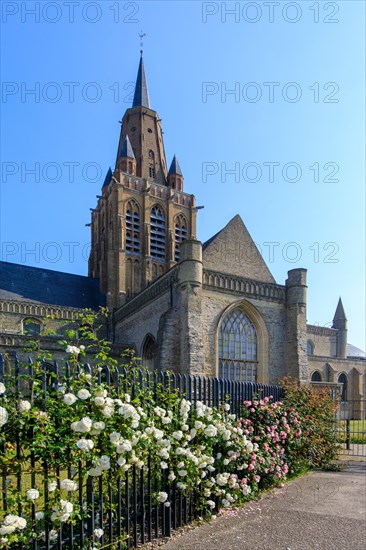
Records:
x=141, y=97
x=352, y=351
x=108, y=178
x=175, y=168
x=127, y=150
x=340, y=314
x=23, y=283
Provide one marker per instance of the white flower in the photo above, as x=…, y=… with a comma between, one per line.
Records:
x=182, y=473
x=98, y=533
x=2, y=388
x=99, y=401
x=32, y=494
x=121, y=461
x=225, y=503
x=166, y=420
x=227, y=407
x=98, y=426
x=211, y=504
x=210, y=431
x=68, y=485
x=198, y=425
x=52, y=486
x=104, y=462
x=171, y=476
x=177, y=435
x=83, y=394
x=73, y=349
x=181, y=486
x=107, y=411
x=163, y=453
x=124, y=447
x=39, y=516
x=115, y=438
x=85, y=444
x=83, y=426
x=163, y=465
x=7, y=529
x=69, y=398
x=3, y=416
x=24, y=406
x=162, y=496
x=95, y=472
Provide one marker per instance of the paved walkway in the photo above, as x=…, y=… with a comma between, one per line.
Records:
x=319, y=511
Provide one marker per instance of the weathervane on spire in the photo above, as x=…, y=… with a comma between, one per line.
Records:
x=142, y=36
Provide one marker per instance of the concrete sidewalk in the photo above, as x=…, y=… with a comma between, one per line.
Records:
x=319, y=511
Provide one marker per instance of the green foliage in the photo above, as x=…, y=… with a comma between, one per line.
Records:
x=318, y=443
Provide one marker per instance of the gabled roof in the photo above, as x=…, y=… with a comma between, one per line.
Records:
x=141, y=97
x=23, y=283
x=233, y=251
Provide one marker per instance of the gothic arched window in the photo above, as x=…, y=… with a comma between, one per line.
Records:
x=180, y=235
x=148, y=352
x=310, y=347
x=316, y=376
x=237, y=347
x=157, y=233
x=342, y=379
x=132, y=228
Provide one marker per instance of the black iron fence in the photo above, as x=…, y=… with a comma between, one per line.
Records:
x=351, y=418
x=123, y=508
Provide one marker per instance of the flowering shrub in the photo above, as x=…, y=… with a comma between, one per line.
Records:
x=82, y=431
x=319, y=443
x=100, y=431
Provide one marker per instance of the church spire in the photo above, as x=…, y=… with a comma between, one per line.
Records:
x=141, y=97
x=339, y=314
x=340, y=323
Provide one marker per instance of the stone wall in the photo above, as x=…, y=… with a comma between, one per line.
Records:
x=324, y=340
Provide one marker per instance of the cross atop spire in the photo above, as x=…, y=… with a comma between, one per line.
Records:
x=141, y=97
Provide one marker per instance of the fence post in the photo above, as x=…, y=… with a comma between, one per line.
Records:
x=348, y=434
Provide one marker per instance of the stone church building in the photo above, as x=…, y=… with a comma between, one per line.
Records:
x=212, y=308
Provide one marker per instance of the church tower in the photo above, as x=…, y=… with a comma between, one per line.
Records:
x=143, y=213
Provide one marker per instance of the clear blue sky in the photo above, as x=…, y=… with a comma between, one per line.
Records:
x=297, y=152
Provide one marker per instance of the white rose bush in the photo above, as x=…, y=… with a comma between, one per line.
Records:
x=102, y=434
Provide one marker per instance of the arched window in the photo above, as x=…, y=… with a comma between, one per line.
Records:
x=310, y=347
x=342, y=379
x=316, y=376
x=151, y=154
x=237, y=347
x=180, y=235
x=132, y=228
x=148, y=353
x=31, y=327
x=157, y=233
